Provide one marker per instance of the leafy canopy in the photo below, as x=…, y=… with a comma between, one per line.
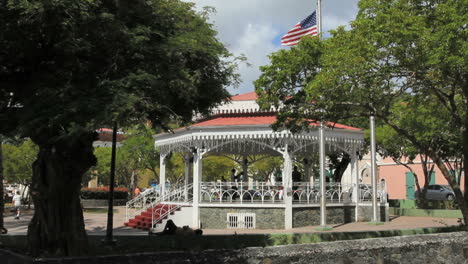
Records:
x=70, y=64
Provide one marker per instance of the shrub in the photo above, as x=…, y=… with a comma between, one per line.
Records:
x=102, y=193
x=433, y=204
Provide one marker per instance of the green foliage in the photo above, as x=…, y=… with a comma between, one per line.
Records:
x=447, y=205
x=84, y=63
x=69, y=67
x=404, y=62
x=263, y=168
x=175, y=168
x=282, y=82
x=17, y=161
x=140, y=146
x=217, y=168
x=136, y=155
x=102, y=193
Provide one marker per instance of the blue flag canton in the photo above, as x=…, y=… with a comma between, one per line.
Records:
x=309, y=21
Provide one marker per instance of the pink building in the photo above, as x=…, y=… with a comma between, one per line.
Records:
x=400, y=181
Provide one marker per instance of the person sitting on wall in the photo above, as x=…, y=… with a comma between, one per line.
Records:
x=172, y=229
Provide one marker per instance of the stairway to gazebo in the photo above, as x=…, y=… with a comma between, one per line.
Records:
x=156, y=215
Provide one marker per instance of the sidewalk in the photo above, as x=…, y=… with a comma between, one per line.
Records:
x=96, y=224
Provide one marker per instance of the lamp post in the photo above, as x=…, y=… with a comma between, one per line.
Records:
x=110, y=211
x=373, y=170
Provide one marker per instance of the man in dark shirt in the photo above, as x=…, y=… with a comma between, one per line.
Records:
x=296, y=175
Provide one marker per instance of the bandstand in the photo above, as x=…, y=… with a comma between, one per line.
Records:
x=241, y=128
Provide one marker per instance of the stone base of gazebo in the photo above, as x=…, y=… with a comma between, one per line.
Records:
x=239, y=217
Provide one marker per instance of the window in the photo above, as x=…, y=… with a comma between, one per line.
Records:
x=241, y=220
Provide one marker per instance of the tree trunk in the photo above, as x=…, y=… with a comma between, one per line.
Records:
x=340, y=167
x=465, y=170
x=459, y=195
x=57, y=227
x=2, y=195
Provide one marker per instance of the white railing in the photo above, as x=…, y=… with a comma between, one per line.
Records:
x=142, y=202
x=302, y=192
x=182, y=194
x=250, y=193
x=366, y=193
x=241, y=192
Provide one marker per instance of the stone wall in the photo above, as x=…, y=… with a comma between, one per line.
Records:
x=266, y=218
x=419, y=249
x=365, y=213
x=310, y=216
x=273, y=218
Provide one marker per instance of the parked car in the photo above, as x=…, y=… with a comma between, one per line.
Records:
x=438, y=192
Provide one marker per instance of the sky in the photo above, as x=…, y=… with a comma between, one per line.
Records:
x=254, y=27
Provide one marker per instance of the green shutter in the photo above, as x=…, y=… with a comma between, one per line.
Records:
x=432, y=180
x=409, y=185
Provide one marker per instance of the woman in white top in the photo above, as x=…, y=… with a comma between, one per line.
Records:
x=17, y=204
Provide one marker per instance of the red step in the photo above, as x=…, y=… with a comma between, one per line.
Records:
x=143, y=220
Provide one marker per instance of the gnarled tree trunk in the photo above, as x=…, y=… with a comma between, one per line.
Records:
x=57, y=227
x=2, y=195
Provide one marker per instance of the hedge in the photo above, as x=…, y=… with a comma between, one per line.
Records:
x=418, y=204
x=102, y=193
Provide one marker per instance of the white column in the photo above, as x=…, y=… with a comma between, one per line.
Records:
x=162, y=175
x=197, y=175
x=323, y=182
x=187, y=174
x=373, y=171
x=287, y=189
x=356, y=189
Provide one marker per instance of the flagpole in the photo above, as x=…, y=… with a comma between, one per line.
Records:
x=319, y=16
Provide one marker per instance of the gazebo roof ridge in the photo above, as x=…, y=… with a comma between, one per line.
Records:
x=249, y=112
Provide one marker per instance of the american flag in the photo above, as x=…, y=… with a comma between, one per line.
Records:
x=307, y=27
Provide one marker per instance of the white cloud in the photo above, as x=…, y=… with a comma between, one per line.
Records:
x=253, y=27
x=254, y=39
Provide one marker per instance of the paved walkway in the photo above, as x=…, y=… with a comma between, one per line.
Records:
x=96, y=224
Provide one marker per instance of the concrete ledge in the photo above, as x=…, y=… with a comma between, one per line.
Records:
x=100, y=203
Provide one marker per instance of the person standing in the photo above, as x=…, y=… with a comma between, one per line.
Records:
x=296, y=177
x=233, y=175
x=17, y=204
x=136, y=192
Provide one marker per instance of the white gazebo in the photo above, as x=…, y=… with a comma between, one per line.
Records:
x=241, y=128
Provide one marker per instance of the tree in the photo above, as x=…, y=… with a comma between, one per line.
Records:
x=217, y=168
x=2, y=195
x=398, y=51
x=18, y=158
x=267, y=166
x=70, y=67
x=140, y=148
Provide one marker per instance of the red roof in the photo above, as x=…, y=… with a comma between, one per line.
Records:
x=254, y=120
x=252, y=96
x=238, y=121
